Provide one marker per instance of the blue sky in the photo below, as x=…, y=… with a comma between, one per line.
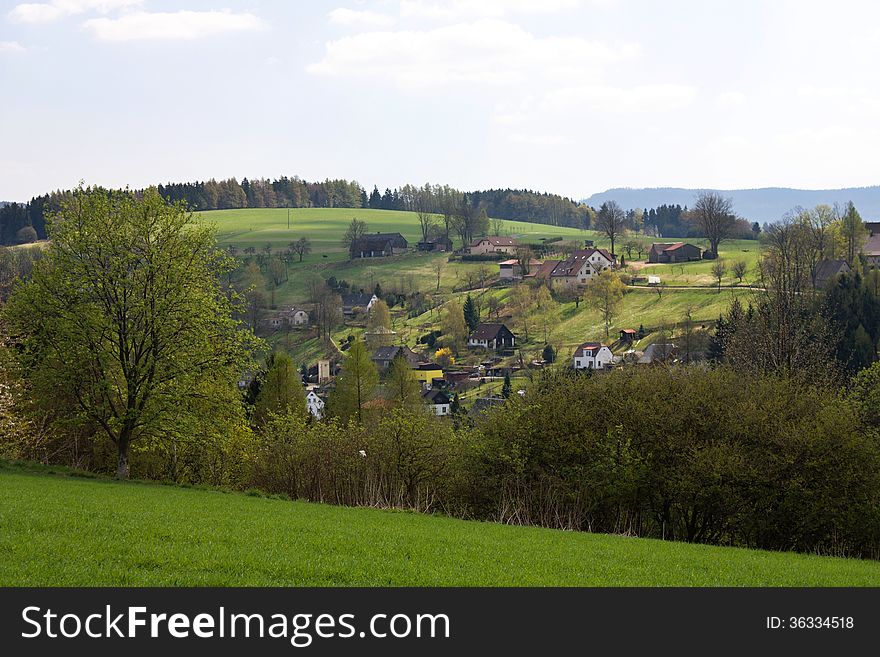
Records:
x=568, y=96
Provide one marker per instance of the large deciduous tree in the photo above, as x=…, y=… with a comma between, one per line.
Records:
x=611, y=221
x=713, y=214
x=125, y=317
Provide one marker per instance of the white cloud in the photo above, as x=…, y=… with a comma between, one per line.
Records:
x=730, y=100
x=536, y=139
x=486, y=52
x=359, y=17
x=49, y=11
x=468, y=9
x=179, y=25
x=609, y=98
x=11, y=47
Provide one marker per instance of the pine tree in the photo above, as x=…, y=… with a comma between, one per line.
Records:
x=281, y=391
x=356, y=384
x=715, y=349
x=375, y=198
x=549, y=354
x=506, y=388
x=471, y=314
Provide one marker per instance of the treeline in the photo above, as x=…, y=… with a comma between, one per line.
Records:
x=294, y=192
x=676, y=221
x=22, y=223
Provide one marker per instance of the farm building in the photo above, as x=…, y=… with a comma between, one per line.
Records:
x=582, y=266
x=827, y=271
x=509, y=270
x=675, y=252
x=871, y=249
x=659, y=352
x=441, y=243
x=592, y=356
x=492, y=336
x=628, y=335
x=484, y=245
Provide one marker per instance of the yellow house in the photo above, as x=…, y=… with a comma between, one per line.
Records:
x=427, y=372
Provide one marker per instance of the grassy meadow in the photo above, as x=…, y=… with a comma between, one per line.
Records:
x=74, y=531
x=687, y=286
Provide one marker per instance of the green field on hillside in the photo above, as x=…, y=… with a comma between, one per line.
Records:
x=69, y=531
x=325, y=226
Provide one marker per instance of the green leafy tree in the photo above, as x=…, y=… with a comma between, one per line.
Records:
x=356, y=384
x=453, y=325
x=471, y=314
x=281, y=391
x=125, y=317
x=607, y=293
x=380, y=316
x=402, y=387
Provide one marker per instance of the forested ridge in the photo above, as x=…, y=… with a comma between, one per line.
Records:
x=294, y=192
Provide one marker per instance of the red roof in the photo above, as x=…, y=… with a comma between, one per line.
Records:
x=587, y=347
x=628, y=331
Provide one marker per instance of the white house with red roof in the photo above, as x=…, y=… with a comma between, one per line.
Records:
x=592, y=356
x=582, y=267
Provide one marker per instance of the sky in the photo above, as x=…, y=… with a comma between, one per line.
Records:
x=566, y=96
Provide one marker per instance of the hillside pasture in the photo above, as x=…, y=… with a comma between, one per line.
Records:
x=72, y=531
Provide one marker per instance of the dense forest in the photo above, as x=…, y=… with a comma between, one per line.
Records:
x=17, y=219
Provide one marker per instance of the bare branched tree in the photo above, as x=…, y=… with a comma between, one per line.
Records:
x=713, y=214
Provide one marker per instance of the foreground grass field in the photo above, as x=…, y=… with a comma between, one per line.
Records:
x=68, y=531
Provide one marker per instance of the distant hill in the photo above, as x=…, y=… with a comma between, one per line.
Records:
x=765, y=204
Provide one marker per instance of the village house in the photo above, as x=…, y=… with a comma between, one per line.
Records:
x=582, y=267
x=351, y=302
x=827, y=271
x=438, y=401
x=492, y=336
x=384, y=356
x=427, y=373
x=592, y=356
x=871, y=250
x=296, y=317
x=484, y=245
x=674, y=252
x=542, y=272
x=315, y=404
